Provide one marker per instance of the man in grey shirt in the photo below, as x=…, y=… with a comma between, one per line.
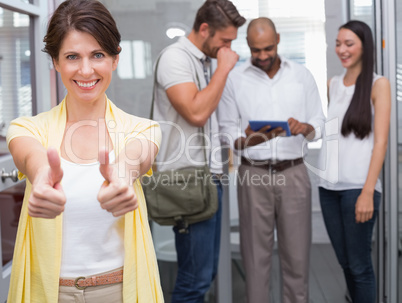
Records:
x=186, y=96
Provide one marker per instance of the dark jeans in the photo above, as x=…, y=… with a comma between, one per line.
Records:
x=197, y=257
x=351, y=240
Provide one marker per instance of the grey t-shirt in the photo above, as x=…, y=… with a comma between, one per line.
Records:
x=182, y=142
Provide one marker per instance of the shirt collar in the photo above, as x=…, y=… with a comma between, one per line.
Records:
x=249, y=66
x=194, y=50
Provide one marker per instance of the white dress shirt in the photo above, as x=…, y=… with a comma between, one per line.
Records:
x=251, y=95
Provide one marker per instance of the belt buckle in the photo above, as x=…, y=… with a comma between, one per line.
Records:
x=272, y=164
x=76, y=283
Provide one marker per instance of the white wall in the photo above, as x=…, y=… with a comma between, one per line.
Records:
x=335, y=14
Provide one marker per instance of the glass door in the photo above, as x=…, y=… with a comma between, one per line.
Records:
x=15, y=100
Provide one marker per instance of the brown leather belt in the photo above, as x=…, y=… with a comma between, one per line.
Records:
x=272, y=166
x=83, y=282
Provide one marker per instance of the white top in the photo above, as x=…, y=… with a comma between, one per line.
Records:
x=181, y=63
x=92, y=237
x=251, y=95
x=344, y=161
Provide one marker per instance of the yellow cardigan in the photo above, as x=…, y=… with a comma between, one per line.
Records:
x=37, y=253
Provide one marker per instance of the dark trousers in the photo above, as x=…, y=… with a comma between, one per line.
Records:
x=197, y=257
x=351, y=241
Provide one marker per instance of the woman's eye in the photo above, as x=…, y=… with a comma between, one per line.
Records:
x=71, y=57
x=99, y=55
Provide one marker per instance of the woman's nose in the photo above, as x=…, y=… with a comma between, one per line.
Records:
x=341, y=48
x=86, y=67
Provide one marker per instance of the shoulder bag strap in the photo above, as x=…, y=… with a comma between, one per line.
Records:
x=154, y=92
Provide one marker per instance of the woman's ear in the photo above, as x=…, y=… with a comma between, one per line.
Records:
x=55, y=64
x=116, y=58
x=115, y=62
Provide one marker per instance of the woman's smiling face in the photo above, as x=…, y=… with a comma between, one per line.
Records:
x=349, y=48
x=85, y=69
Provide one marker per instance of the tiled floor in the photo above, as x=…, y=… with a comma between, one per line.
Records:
x=326, y=279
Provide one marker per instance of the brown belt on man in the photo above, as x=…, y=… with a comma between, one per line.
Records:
x=83, y=282
x=272, y=166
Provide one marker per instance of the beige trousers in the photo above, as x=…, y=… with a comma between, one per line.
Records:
x=112, y=293
x=267, y=201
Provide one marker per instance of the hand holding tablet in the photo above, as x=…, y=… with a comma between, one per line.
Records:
x=256, y=125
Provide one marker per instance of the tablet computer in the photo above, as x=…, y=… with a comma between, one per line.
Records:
x=258, y=124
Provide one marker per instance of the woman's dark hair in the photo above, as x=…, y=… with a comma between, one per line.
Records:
x=218, y=14
x=358, y=116
x=88, y=16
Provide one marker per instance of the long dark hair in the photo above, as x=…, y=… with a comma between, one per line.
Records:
x=358, y=116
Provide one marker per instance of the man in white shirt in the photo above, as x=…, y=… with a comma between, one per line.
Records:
x=186, y=96
x=273, y=187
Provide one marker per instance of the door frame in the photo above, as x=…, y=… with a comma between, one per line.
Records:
x=391, y=164
x=43, y=91
x=386, y=50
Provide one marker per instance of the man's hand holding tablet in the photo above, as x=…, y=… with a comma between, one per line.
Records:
x=257, y=125
x=258, y=132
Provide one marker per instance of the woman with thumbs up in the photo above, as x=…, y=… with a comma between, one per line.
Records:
x=83, y=232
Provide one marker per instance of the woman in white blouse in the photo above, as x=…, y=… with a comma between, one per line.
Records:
x=354, y=146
